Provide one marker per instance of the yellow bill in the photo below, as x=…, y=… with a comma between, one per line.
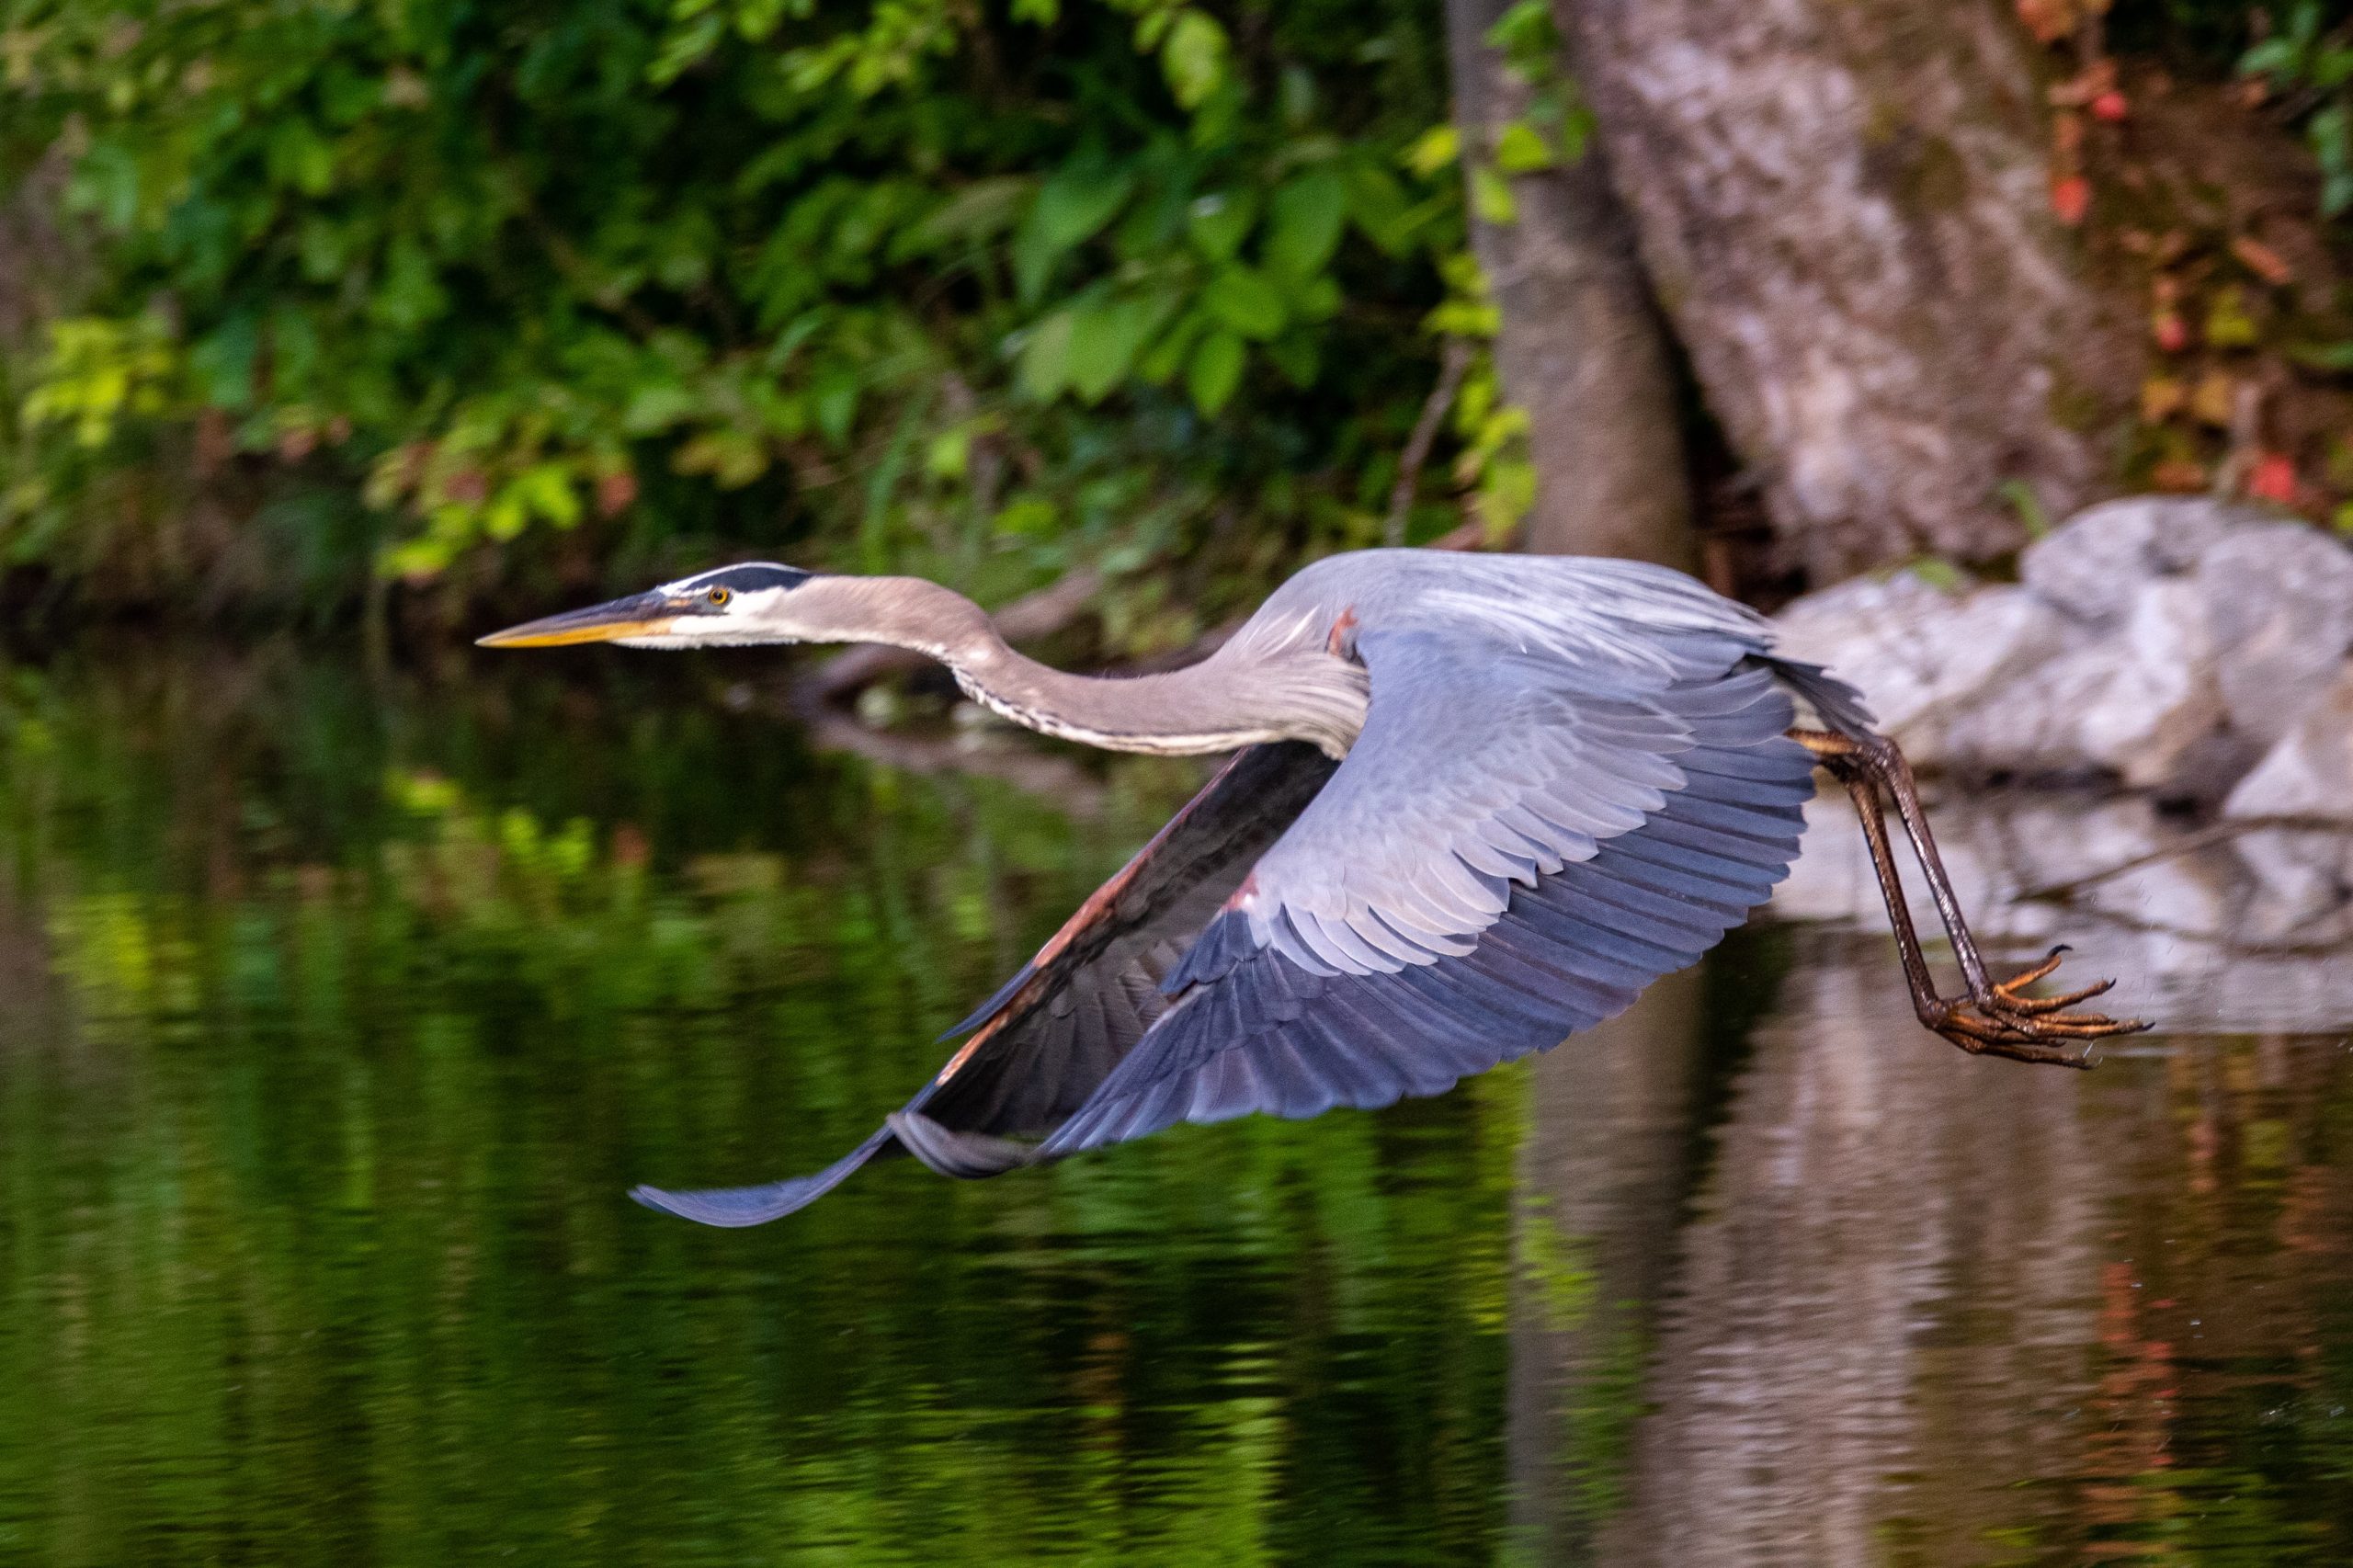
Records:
x=640, y=615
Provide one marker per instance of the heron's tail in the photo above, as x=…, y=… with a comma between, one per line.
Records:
x=1836, y=704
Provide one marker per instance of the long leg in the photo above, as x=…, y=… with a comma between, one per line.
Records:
x=1994, y=1018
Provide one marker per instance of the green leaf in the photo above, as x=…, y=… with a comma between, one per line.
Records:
x=546, y=488
x=2228, y=323
x=301, y=157
x=2273, y=56
x=656, y=407
x=1194, y=57
x=1044, y=368
x=1296, y=355
x=1071, y=207
x=1216, y=371
x=1103, y=343
x=1170, y=354
x=2027, y=504
x=833, y=396
x=2330, y=357
x=981, y=210
x=222, y=363
x=1432, y=150
x=409, y=294
x=1379, y=208
x=1318, y=299
x=1491, y=198
x=1219, y=222
x=1030, y=515
x=1521, y=151
x=1307, y=215
x=1525, y=34
x=1245, y=301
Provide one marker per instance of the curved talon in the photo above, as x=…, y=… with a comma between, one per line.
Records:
x=2001, y=1022
x=2039, y=1005
x=2019, y=981
x=2014, y=1049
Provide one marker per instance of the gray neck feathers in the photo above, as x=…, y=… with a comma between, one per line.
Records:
x=1245, y=693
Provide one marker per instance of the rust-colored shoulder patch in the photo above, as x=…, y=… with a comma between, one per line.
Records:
x=1101, y=907
x=1342, y=644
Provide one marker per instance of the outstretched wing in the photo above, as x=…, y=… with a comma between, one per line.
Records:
x=1041, y=1047
x=1513, y=850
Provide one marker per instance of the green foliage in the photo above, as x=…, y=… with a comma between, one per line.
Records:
x=748, y=261
x=2310, y=59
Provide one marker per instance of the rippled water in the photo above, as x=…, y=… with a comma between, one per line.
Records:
x=337, y=1012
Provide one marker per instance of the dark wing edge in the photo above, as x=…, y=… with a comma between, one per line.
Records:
x=1043, y=1044
x=733, y=1207
x=1839, y=706
x=1251, y=1030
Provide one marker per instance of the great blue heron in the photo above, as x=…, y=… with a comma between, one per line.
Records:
x=1479, y=802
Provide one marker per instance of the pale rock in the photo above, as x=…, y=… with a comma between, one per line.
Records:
x=2159, y=700
x=1921, y=655
x=2133, y=701
x=2091, y=566
x=2165, y=643
x=2279, y=608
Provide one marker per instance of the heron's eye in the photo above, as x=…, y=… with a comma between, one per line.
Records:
x=718, y=596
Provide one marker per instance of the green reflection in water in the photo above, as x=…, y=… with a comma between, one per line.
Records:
x=335, y=1016
x=338, y=1024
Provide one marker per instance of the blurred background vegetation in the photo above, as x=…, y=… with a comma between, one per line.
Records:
x=314, y=301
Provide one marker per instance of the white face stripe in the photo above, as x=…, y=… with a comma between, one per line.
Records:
x=742, y=619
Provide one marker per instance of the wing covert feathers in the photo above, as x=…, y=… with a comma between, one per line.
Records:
x=1251, y=1030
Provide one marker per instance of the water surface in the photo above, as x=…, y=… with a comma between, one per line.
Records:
x=337, y=1012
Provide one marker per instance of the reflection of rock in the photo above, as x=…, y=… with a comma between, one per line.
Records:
x=1880, y=1304
x=2230, y=926
x=2161, y=641
x=1920, y=1309
x=2308, y=775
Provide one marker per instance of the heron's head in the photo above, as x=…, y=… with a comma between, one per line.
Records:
x=756, y=602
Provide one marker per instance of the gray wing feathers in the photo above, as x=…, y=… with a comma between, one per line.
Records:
x=1478, y=770
x=1625, y=623
x=1252, y=1031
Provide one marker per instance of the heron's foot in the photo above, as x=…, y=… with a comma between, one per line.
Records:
x=2005, y=1022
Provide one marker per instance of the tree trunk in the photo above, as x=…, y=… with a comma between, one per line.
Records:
x=1581, y=348
x=1844, y=207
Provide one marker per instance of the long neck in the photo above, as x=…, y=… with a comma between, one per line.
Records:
x=1227, y=700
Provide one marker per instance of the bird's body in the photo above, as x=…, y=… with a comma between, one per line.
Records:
x=1479, y=802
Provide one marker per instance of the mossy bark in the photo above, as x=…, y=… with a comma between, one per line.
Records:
x=1844, y=207
x=1582, y=347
